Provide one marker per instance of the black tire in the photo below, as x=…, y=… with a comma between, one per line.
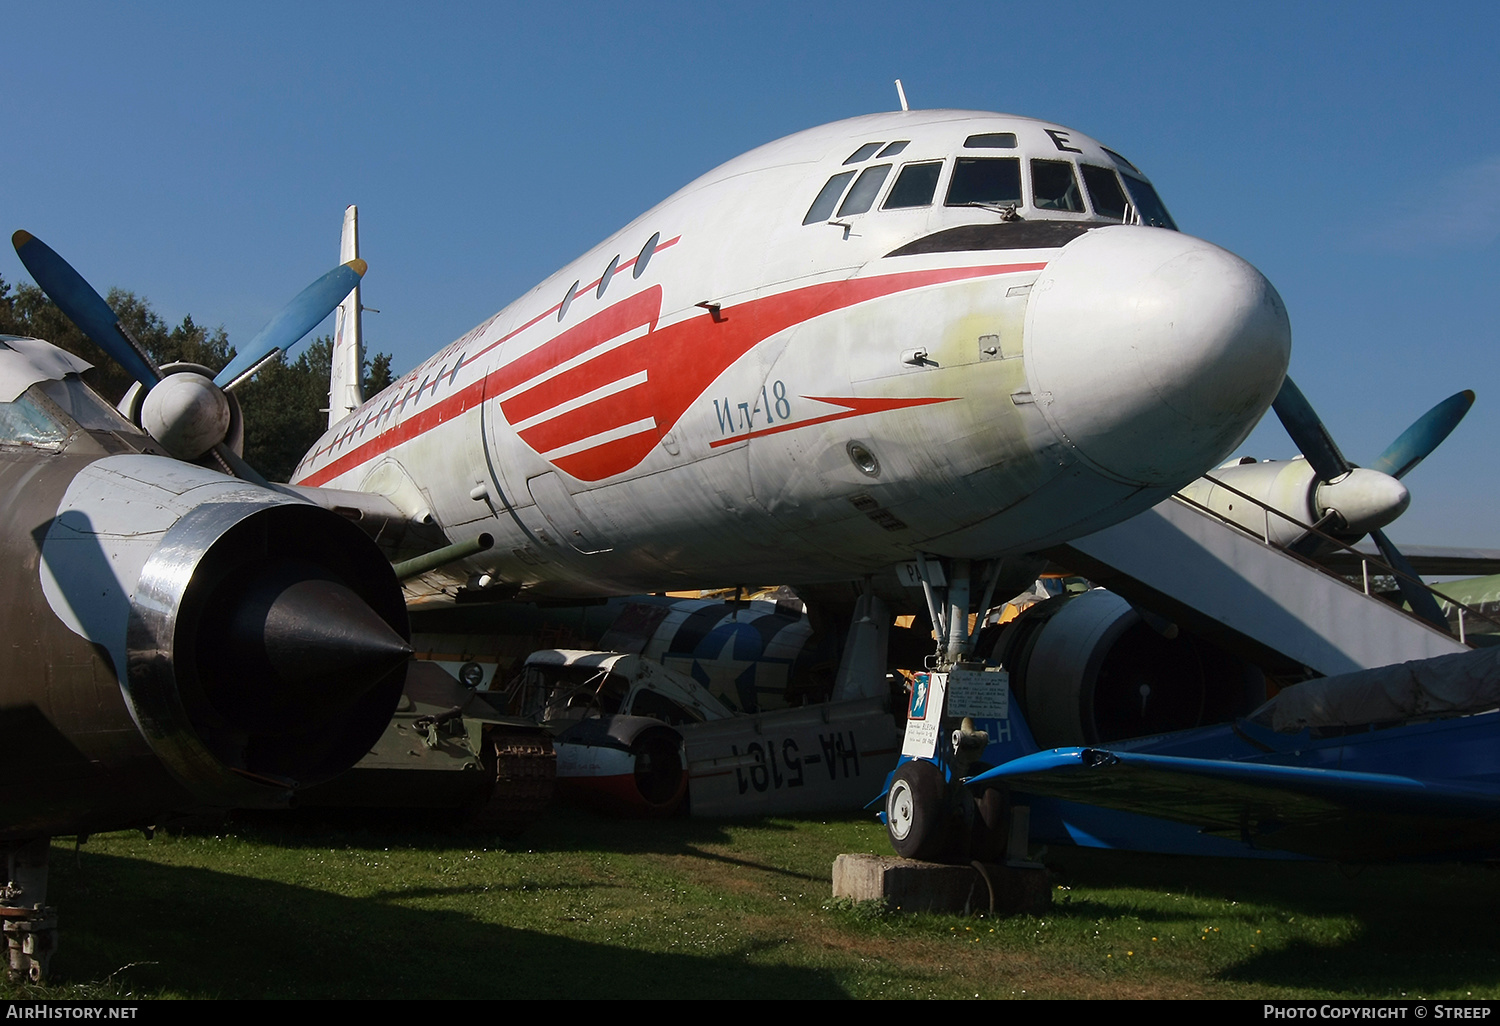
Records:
x=659, y=776
x=916, y=812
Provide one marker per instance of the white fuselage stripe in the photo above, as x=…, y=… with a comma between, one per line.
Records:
x=602, y=392
x=603, y=437
x=567, y=365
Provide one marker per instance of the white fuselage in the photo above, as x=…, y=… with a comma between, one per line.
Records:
x=741, y=385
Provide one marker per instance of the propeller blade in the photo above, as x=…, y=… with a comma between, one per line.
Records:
x=1418, y=598
x=1297, y=416
x=296, y=319
x=76, y=298
x=1425, y=435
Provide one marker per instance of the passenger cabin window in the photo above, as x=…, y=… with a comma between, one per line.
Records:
x=1054, y=186
x=1104, y=190
x=644, y=257
x=865, y=152
x=1149, y=207
x=915, y=186
x=862, y=196
x=984, y=180
x=894, y=148
x=991, y=141
x=828, y=197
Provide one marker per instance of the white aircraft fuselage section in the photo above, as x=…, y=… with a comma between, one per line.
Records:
x=826, y=355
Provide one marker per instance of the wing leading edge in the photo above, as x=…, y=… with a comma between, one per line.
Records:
x=1322, y=813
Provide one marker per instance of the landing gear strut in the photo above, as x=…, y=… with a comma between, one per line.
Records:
x=930, y=814
x=30, y=926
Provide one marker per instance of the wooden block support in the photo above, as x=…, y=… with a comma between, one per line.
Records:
x=998, y=888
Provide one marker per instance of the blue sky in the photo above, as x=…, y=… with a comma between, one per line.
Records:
x=202, y=154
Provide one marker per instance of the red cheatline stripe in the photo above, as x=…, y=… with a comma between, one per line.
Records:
x=745, y=325
x=855, y=408
x=547, y=313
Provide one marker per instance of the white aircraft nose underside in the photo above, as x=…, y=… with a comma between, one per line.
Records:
x=1153, y=353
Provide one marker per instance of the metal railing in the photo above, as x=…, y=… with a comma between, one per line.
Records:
x=1365, y=560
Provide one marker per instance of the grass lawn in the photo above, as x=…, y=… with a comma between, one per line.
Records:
x=596, y=908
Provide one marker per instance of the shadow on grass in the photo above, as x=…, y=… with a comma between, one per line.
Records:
x=1416, y=929
x=202, y=933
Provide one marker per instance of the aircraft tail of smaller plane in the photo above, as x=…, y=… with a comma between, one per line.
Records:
x=345, y=393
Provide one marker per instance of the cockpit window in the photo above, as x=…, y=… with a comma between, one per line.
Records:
x=1054, y=186
x=984, y=180
x=828, y=197
x=863, y=153
x=863, y=194
x=23, y=422
x=991, y=141
x=84, y=405
x=895, y=148
x=1120, y=161
x=1104, y=191
x=914, y=186
x=1149, y=208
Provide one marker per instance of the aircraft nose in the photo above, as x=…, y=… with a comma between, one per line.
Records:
x=1153, y=353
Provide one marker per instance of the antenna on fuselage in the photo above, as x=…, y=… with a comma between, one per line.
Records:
x=900, y=92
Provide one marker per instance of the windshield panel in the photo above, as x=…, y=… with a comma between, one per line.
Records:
x=1054, y=186
x=863, y=153
x=23, y=422
x=1148, y=205
x=822, y=207
x=862, y=196
x=915, y=186
x=984, y=180
x=1104, y=192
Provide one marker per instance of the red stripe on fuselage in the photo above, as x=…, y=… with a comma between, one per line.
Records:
x=682, y=359
x=853, y=407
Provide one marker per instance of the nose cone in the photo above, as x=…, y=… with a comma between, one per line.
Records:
x=1153, y=353
x=1364, y=499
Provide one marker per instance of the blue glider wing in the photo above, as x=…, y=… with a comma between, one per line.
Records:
x=1323, y=813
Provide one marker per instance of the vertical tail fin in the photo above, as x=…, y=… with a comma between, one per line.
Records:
x=345, y=392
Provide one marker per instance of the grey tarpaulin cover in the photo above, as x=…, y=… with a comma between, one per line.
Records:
x=1466, y=682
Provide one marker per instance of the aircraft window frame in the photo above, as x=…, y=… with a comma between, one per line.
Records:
x=991, y=141
x=959, y=166
x=931, y=190
x=866, y=188
x=894, y=148
x=1119, y=160
x=562, y=309
x=609, y=272
x=27, y=423
x=828, y=197
x=1162, y=218
x=1075, y=190
x=863, y=154
x=644, y=257
x=1114, y=180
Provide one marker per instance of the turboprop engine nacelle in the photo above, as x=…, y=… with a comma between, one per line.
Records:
x=1090, y=668
x=1358, y=501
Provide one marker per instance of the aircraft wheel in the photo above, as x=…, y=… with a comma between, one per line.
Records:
x=659, y=776
x=916, y=814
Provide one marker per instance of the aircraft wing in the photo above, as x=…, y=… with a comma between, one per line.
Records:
x=1428, y=560
x=1322, y=813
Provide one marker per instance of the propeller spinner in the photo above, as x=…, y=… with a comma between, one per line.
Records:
x=1358, y=500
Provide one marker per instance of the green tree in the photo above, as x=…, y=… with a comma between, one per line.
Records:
x=284, y=406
